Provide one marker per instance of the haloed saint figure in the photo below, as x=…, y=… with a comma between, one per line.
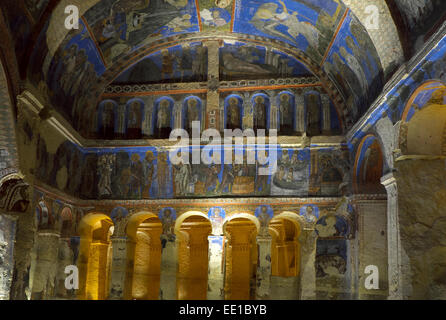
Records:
x=233, y=114
x=259, y=113
x=162, y=128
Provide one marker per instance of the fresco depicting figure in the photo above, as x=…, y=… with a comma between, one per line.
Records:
x=291, y=175
x=313, y=116
x=259, y=113
x=163, y=128
x=182, y=177
x=271, y=20
x=105, y=169
x=134, y=121
x=162, y=174
x=216, y=216
x=192, y=114
x=136, y=171
x=233, y=114
x=148, y=167
x=264, y=214
x=108, y=120
x=286, y=115
x=167, y=217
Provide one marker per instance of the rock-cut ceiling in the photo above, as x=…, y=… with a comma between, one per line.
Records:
x=124, y=41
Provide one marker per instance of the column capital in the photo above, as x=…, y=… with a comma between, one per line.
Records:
x=388, y=179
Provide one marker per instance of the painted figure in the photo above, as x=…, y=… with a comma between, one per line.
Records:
x=259, y=113
x=148, y=167
x=233, y=114
x=286, y=114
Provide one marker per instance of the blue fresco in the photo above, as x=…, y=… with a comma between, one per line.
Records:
x=180, y=63
x=242, y=61
x=118, y=214
x=120, y=27
x=311, y=215
x=308, y=25
x=394, y=102
x=354, y=61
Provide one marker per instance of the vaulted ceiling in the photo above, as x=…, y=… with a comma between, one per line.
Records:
x=122, y=41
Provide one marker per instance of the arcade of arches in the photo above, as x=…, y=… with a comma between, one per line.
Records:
x=87, y=180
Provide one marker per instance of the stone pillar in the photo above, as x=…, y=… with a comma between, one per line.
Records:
x=25, y=236
x=263, y=285
x=121, y=119
x=393, y=238
x=147, y=129
x=118, y=268
x=372, y=234
x=65, y=258
x=326, y=121
x=300, y=113
x=213, y=96
x=215, y=273
x=7, y=236
x=44, y=281
x=169, y=267
x=307, y=265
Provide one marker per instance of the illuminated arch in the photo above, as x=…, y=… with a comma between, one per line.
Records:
x=371, y=183
x=423, y=128
x=94, y=256
x=247, y=216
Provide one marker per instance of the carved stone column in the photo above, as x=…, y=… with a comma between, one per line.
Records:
x=169, y=267
x=300, y=113
x=65, y=258
x=213, y=96
x=263, y=285
x=393, y=238
x=44, y=282
x=326, y=121
x=307, y=265
x=215, y=273
x=118, y=267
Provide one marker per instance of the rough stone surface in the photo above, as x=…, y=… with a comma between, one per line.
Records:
x=422, y=218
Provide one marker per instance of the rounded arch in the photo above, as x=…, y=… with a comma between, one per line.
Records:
x=186, y=215
x=247, y=216
x=369, y=166
x=92, y=221
x=135, y=220
x=185, y=111
x=423, y=127
x=228, y=102
x=293, y=217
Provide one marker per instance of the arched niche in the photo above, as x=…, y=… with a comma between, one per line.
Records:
x=163, y=117
x=233, y=112
x=423, y=127
x=369, y=167
x=285, y=245
x=107, y=119
x=241, y=255
x=313, y=113
x=287, y=113
x=191, y=111
x=261, y=111
x=94, y=256
x=134, y=118
x=192, y=230
x=143, y=230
